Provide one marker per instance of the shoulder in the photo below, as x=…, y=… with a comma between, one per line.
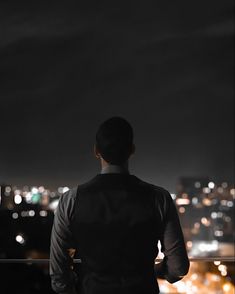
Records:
x=161, y=196
x=67, y=202
x=158, y=191
x=71, y=194
x=162, y=200
x=68, y=196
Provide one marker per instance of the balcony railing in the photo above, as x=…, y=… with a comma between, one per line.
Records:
x=206, y=276
x=46, y=260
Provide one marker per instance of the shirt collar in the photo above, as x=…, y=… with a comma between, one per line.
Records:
x=113, y=168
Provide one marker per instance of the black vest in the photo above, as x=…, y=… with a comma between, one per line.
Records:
x=116, y=228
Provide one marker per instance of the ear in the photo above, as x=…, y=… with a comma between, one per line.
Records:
x=133, y=149
x=96, y=152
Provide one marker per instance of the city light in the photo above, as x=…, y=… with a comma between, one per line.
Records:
x=7, y=189
x=218, y=233
x=205, y=221
x=194, y=200
x=220, y=214
x=189, y=244
x=15, y=215
x=227, y=219
x=207, y=202
x=53, y=205
x=17, y=191
x=222, y=267
x=43, y=213
x=182, y=201
x=65, y=189
x=20, y=239
x=173, y=196
x=31, y=213
x=197, y=185
x=197, y=225
x=208, y=246
x=224, y=185
x=60, y=190
x=34, y=190
x=232, y=192
x=230, y=204
x=182, y=209
x=211, y=185
x=17, y=199
x=28, y=197
x=24, y=213
x=206, y=215
x=220, y=190
x=52, y=194
x=206, y=190
x=228, y=287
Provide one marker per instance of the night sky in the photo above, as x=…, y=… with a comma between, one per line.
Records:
x=166, y=67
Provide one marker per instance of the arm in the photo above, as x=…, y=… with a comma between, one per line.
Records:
x=175, y=264
x=63, y=278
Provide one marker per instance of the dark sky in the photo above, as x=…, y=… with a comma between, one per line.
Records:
x=165, y=67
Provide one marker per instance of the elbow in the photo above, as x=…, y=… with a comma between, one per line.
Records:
x=183, y=271
x=56, y=287
x=61, y=283
x=173, y=279
x=178, y=273
x=58, y=284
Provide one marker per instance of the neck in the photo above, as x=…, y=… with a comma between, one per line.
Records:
x=114, y=168
x=105, y=164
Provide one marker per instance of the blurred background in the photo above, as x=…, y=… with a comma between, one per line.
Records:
x=168, y=69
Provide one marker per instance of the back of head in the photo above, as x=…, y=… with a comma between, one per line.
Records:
x=114, y=140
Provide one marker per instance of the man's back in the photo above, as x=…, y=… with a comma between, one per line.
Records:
x=114, y=223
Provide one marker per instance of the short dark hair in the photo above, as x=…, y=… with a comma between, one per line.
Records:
x=114, y=140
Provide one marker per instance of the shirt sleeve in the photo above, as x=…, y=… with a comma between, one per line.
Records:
x=63, y=278
x=175, y=264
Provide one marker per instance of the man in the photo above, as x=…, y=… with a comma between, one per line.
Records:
x=113, y=224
